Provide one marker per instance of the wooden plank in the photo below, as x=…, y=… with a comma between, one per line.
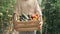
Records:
x=26, y=29
x=27, y=25
x=27, y=22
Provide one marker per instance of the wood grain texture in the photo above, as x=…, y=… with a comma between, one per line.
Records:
x=27, y=25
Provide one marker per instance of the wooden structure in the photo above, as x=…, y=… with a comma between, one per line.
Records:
x=26, y=25
x=21, y=26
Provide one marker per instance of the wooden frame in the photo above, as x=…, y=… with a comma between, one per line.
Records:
x=26, y=25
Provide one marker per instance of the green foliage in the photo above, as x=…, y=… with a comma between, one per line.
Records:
x=52, y=12
x=6, y=13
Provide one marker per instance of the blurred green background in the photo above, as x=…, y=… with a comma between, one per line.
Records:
x=51, y=15
x=50, y=10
